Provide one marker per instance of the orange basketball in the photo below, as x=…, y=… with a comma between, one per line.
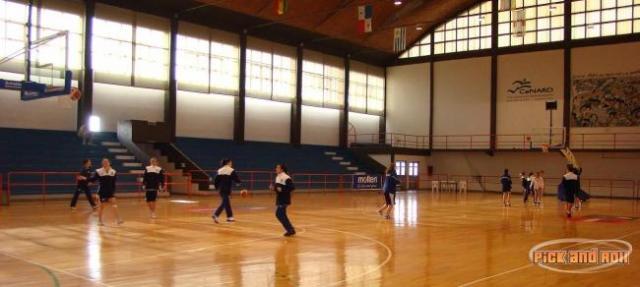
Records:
x=75, y=94
x=244, y=193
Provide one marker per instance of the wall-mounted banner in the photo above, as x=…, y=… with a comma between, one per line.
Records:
x=524, y=90
x=367, y=182
x=606, y=100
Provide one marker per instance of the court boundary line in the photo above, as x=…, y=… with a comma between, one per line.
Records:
x=378, y=267
x=194, y=249
x=524, y=266
x=62, y=271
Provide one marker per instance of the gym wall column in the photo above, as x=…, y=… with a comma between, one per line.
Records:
x=344, y=113
x=494, y=77
x=566, y=111
x=431, y=64
x=170, y=101
x=382, y=130
x=239, y=105
x=296, y=107
x=85, y=105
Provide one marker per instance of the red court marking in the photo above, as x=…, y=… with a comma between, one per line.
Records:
x=604, y=218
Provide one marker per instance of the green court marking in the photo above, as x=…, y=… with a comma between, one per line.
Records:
x=54, y=278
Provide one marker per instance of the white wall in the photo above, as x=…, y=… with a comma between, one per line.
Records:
x=56, y=113
x=367, y=127
x=114, y=103
x=522, y=111
x=597, y=167
x=204, y=115
x=267, y=121
x=320, y=126
x=408, y=99
x=383, y=159
x=462, y=97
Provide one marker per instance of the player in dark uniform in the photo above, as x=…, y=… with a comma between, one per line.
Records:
x=106, y=177
x=389, y=188
x=82, y=185
x=283, y=187
x=224, y=181
x=153, y=182
x=570, y=187
x=506, y=182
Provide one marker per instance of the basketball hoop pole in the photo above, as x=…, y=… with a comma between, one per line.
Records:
x=550, y=126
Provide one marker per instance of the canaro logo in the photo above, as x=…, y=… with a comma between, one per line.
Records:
x=581, y=255
x=524, y=87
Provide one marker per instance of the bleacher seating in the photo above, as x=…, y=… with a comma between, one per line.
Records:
x=23, y=150
x=43, y=150
x=263, y=156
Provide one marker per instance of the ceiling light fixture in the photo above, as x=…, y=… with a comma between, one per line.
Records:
x=397, y=2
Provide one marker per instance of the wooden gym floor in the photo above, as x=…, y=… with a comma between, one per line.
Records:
x=433, y=240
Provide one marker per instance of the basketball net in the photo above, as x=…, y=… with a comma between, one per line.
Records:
x=544, y=147
x=570, y=157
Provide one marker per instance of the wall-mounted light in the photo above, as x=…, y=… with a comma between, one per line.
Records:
x=419, y=27
x=94, y=124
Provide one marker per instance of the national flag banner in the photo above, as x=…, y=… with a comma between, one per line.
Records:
x=281, y=6
x=399, y=39
x=365, y=14
x=517, y=26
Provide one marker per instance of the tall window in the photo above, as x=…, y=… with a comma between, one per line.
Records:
x=206, y=66
x=270, y=76
x=112, y=47
x=422, y=48
x=13, y=17
x=46, y=22
x=284, y=78
x=224, y=67
x=322, y=84
x=413, y=169
x=366, y=91
x=600, y=18
x=471, y=30
x=50, y=22
x=357, y=91
x=192, y=59
x=401, y=167
x=130, y=48
x=312, y=83
x=152, y=54
x=530, y=22
x=259, y=73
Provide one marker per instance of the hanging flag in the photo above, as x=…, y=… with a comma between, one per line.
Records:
x=517, y=26
x=399, y=39
x=281, y=6
x=365, y=13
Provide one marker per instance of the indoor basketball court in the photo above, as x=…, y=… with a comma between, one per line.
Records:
x=319, y=143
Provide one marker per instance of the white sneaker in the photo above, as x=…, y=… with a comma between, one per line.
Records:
x=215, y=219
x=230, y=219
x=153, y=215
